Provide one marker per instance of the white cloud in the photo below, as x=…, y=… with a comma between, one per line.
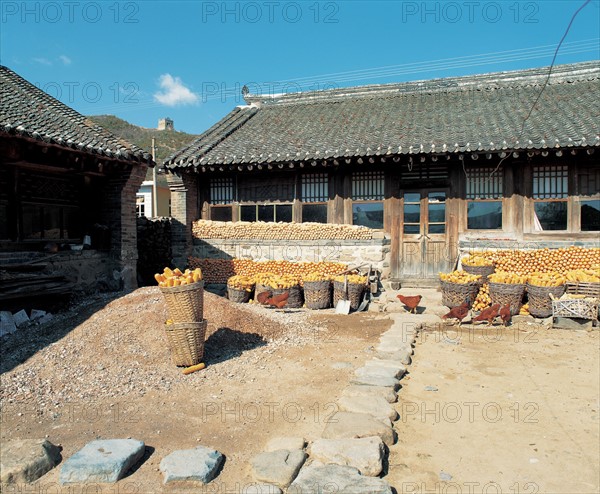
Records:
x=42, y=61
x=65, y=60
x=174, y=92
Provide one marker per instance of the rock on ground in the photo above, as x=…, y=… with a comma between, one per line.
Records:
x=289, y=443
x=376, y=380
x=348, y=425
x=318, y=479
x=358, y=390
x=277, y=467
x=365, y=454
x=199, y=464
x=256, y=488
x=375, y=405
x=26, y=460
x=390, y=365
x=403, y=356
x=105, y=460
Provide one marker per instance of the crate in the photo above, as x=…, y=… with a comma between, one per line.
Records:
x=575, y=308
x=580, y=288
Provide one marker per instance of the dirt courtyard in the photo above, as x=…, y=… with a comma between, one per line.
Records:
x=513, y=410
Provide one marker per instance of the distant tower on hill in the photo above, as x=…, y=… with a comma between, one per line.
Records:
x=165, y=124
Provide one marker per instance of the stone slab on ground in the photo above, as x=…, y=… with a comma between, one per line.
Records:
x=313, y=479
x=403, y=356
x=375, y=380
x=376, y=371
x=389, y=345
x=7, y=323
x=377, y=406
x=104, y=460
x=349, y=425
x=289, y=443
x=258, y=488
x=388, y=364
x=21, y=318
x=26, y=460
x=365, y=454
x=359, y=390
x=277, y=467
x=572, y=323
x=200, y=464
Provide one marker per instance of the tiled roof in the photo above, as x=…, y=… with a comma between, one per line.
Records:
x=482, y=113
x=27, y=111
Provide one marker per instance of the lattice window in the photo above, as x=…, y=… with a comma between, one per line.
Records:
x=221, y=190
x=550, y=182
x=589, y=181
x=424, y=171
x=315, y=187
x=368, y=186
x=484, y=183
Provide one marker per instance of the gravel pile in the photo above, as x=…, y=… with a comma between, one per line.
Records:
x=105, y=347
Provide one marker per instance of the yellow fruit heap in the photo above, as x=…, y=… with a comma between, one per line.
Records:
x=584, y=275
x=238, y=282
x=483, y=299
x=461, y=277
x=174, y=277
x=525, y=262
x=546, y=279
x=282, y=282
x=315, y=276
x=353, y=279
x=524, y=310
x=508, y=278
x=476, y=260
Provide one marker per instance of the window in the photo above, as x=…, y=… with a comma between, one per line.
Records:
x=220, y=213
x=140, y=205
x=589, y=190
x=367, y=199
x=484, y=198
x=47, y=222
x=266, y=212
x=550, y=191
x=315, y=193
x=221, y=190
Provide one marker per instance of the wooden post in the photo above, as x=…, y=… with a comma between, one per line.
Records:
x=395, y=247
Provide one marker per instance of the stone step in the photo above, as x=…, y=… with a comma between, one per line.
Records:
x=365, y=454
x=373, y=405
x=314, y=478
x=348, y=425
x=359, y=390
x=200, y=464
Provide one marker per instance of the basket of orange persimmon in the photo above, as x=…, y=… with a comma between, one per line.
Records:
x=458, y=287
x=186, y=327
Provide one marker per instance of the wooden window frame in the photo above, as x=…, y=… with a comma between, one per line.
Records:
x=256, y=205
x=483, y=195
x=303, y=200
x=374, y=196
x=568, y=199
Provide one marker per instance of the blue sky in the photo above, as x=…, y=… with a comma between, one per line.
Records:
x=143, y=60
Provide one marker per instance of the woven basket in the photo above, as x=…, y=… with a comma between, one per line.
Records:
x=507, y=293
x=317, y=294
x=588, y=289
x=185, y=303
x=540, y=303
x=455, y=294
x=483, y=271
x=238, y=296
x=354, y=294
x=295, y=300
x=577, y=308
x=186, y=342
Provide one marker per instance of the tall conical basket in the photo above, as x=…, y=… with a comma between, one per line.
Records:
x=185, y=303
x=186, y=342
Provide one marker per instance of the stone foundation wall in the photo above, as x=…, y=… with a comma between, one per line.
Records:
x=353, y=252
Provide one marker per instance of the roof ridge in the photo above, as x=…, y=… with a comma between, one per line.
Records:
x=492, y=80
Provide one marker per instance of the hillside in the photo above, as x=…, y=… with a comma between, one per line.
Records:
x=167, y=141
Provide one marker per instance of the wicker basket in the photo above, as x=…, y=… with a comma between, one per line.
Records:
x=238, y=296
x=508, y=293
x=540, y=303
x=186, y=342
x=588, y=289
x=185, y=303
x=483, y=271
x=353, y=293
x=295, y=300
x=317, y=294
x=455, y=294
x=575, y=308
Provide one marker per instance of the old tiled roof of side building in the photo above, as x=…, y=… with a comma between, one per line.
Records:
x=29, y=112
x=482, y=113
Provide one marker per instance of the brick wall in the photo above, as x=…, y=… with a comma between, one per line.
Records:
x=184, y=211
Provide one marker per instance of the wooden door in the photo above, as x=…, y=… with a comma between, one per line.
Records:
x=423, y=234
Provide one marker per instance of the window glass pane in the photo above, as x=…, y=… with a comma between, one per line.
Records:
x=248, y=213
x=315, y=187
x=368, y=214
x=367, y=186
x=590, y=216
x=412, y=213
x=412, y=228
x=484, y=215
x=220, y=214
x=71, y=224
x=284, y=213
x=552, y=215
x=3, y=221
x=266, y=213
x=32, y=222
x=437, y=197
x=412, y=197
x=437, y=228
x=315, y=213
x=437, y=212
